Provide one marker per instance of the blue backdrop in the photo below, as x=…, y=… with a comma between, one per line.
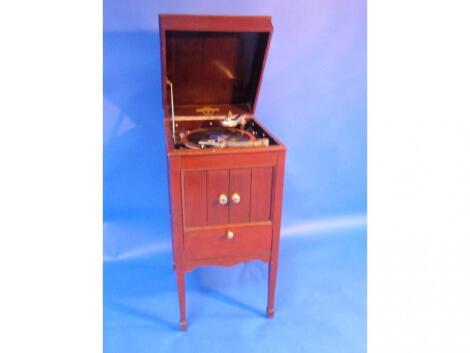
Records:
x=313, y=97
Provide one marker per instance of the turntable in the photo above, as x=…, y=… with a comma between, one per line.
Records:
x=228, y=135
x=218, y=138
x=225, y=169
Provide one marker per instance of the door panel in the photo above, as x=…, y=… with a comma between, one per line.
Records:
x=261, y=190
x=194, y=198
x=240, y=183
x=217, y=184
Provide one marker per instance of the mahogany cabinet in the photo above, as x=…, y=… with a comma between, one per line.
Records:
x=225, y=202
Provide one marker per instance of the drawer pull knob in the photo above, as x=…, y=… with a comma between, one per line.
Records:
x=223, y=199
x=235, y=198
x=230, y=234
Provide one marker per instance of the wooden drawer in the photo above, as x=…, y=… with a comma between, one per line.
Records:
x=211, y=242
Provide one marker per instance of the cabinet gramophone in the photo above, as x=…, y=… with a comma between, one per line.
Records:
x=225, y=169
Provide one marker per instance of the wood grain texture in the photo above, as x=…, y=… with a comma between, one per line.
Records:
x=213, y=59
x=261, y=185
x=213, y=242
x=216, y=23
x=261, y=255
x=180, y=280
x=229, y=158
x=217, y=184
x=194, y=196
x=240, y=183
x=214, y=68
x=277, y=193
x=195, y=181
x=176, y=209
x=197, y=177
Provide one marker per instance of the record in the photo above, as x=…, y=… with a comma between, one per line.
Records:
x=217, y=137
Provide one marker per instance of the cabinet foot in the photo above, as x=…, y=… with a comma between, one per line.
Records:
x=183, y=325
x=270, y=313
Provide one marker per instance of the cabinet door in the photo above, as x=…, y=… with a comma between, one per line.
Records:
x=240, y=195
x=217, y=185
x=248, y=192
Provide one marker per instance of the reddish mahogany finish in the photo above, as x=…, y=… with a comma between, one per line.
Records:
x=218, y=61
x=251, y=239
x=217, y=184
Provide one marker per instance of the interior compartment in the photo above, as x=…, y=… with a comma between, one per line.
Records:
x=182, y=127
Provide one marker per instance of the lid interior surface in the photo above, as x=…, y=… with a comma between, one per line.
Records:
x=216, y=68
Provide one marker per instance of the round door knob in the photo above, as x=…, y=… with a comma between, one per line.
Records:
x=235, y=198
x=230, y=234
x=223, y=199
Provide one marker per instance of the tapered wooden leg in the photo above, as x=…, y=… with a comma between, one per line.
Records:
x=182, y=298
x=271, y=288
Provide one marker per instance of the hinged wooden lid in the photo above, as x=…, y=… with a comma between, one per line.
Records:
x=215, y=63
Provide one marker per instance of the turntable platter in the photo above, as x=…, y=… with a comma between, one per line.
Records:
x=215, y=137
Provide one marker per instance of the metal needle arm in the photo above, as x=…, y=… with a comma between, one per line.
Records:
x=168, y=82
